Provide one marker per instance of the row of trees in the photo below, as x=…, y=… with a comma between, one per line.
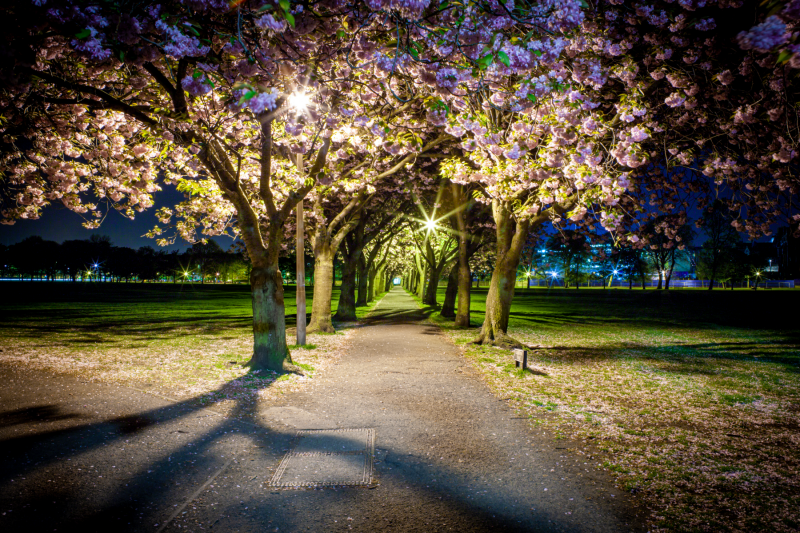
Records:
x=523, y=115
x=98, y=259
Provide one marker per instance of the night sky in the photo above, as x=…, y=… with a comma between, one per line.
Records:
x=58, y=223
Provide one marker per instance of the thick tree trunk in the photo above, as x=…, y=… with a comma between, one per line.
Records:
x=421, y=272
x=346, y=310
x=464, y=289
x=323, y=292
x=449, y=304
x=511, y=237
x=498, y=306
x=433, y=285
x=269, y=322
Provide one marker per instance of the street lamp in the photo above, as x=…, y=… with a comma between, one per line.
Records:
x=299, y=100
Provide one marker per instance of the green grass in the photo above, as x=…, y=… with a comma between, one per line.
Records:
x=185, y=338
x=690, y=398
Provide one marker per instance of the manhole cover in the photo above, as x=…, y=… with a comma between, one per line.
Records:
x=328, y=457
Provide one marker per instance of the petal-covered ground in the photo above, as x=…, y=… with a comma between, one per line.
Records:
x=692, y=397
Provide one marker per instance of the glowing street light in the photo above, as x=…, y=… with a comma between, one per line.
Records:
x=299, y=100
x=616, y=272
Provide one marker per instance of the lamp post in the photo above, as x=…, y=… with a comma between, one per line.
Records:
x=300, y=101
x=301, y=266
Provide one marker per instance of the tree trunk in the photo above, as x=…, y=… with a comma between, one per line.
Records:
x=269, y=321
x=346, y=310
x=421, y=271
x=372, y=276
x=433, y=285
x=511, y=237
x=351, y=252
x=363, y=282
x=323, y=292
x=449, y=304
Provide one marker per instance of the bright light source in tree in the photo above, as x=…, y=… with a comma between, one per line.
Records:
x=299, y=101
x=430, y=225
x=616, y=272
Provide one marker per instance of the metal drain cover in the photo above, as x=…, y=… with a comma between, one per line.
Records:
x=328, y=457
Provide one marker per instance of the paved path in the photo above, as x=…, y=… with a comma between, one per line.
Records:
x=450, y=456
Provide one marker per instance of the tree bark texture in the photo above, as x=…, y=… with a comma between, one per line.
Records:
x=346, y=310
x=323, y=292
x=363, y=281
x=511, y=236
x=371, y=277
x=269, y=320
x=449, y=304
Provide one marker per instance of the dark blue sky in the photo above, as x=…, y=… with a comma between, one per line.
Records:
x=59, y=224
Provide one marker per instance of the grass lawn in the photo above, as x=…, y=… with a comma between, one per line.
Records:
x=691, y=399
x=181, y=340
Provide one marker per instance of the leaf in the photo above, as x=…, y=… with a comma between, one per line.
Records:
x=413, y=52
x=532, y=97
x=122, y=55
x=83, y=34
x=485, y=61
x=265, y=7
x=340, y=34
x=784, y=56
x=503, y=57
x=289, y=19
x=284, y=4
x=197, y=73
x=247, y=96
x=538, y=53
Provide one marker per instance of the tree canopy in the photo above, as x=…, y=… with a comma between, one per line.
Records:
x=608, y=113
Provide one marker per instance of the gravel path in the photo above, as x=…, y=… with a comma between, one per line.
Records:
x=449, y=455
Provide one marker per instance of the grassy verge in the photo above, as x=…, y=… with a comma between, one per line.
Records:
x=691, y=398
x=180, y=340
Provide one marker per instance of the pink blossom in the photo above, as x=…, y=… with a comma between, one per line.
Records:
x=675, y=99
x=269, y=23
x=638, y=134
x=725, y=77
x=266, y=101
x=765, y=36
